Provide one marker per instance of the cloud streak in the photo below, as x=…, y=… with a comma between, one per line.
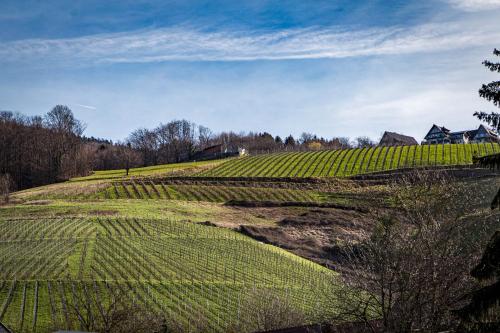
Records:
x=475, y=5
x=87, y=106
x=183, y=44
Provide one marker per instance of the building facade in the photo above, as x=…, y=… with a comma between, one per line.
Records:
x=440, y=135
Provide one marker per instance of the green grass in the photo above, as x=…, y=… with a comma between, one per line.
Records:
x=349, y=162
x=188, y=211
x=171, y=267
x=147, y=189
x=156, y=170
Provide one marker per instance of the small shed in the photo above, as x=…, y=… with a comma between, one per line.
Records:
x=396, y=139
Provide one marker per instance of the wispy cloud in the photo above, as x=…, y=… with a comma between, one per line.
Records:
x=475, y=5
x=184, y=44
x=86, y=106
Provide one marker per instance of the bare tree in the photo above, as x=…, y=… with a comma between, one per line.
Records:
x=343, y=142
x=62, y=120
x=126, y=155
x=413, y=271
x=266, y=310
x=40, y=150
x=111, y=310
x=307, y=137
x=146, y=142
x=205, y=135
x=5, y=187
x=364, y=141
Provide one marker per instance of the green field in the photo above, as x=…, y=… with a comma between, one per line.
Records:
x=185, y=270
x=155, y=189
x=349, y=162
x=173, y=169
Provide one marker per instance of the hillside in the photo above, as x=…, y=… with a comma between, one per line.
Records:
x=182, y=269
x=173, y=169
x=67, y=244
x=349, y=162
x=190, y=247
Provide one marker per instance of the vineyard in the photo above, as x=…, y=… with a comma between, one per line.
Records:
x=155, y=170
x=154, y=189
x=72, y=247
x=53, y=266
x=349, y=162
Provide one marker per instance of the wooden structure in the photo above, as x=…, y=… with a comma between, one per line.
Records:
x=396, y=139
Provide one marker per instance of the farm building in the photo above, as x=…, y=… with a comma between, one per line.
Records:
x=218, y=151
x=396, y=139
x=439, y=135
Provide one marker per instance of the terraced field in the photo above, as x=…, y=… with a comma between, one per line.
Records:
x=349, y=162
x=174, y=169
x=52, y=266
x=154, y=189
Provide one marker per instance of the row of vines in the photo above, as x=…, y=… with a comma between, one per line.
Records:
x=51, y=267
x=349, y=162
x=147, y=189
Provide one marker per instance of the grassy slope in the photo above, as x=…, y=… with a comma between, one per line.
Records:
x=156, y=170
x=172, y=267
x=170, y=263
x=349, y=162
x=76, y=236
x=146, y=189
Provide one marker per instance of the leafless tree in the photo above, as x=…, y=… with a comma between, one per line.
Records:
x=5, y=187
x=413, y=271
x=176, y=140
x=146, y=142
x=263, y=310
x=40, y=150
x=205, y=135
x=111, y=311
x=343, y=142
x=363, y=142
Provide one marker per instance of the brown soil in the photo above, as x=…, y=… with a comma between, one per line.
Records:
x=103, y=212
x=38, y=202
x=313, y=233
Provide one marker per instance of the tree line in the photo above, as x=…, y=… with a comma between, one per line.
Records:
x=39, y=150
x=179, y=140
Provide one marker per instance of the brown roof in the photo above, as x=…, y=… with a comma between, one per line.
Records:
x=396, y=138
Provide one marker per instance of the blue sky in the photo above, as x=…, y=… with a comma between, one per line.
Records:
x=335, y=68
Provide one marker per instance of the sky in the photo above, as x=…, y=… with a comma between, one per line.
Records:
x=334, y=68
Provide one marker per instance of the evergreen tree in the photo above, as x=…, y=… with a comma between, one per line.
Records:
x=290, y=141
x=482, y=314
x=491, y=92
